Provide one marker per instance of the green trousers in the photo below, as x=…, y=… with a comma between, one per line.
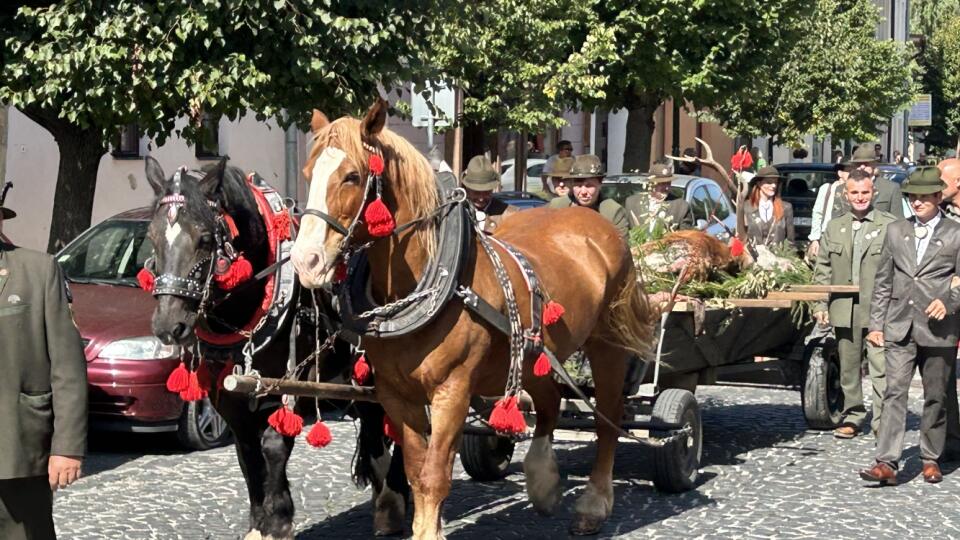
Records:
x=851, y=347
x=26, y=509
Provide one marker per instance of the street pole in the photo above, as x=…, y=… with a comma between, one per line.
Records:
x=291, y=169
x=457, y=164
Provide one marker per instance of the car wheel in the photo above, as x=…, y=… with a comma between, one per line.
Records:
x=201, y=427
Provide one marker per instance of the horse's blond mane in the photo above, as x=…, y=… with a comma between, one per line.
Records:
x=408, y=177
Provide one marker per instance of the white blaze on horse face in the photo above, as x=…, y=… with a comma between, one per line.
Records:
x=323, y=169
x=173, y=231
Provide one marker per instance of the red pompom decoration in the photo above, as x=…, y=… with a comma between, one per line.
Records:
x=542, y=366
x=286, y=422
x=741, y=160
x=146, y=280
x=227, y=370
x=241, y=270
x=281, y=224
x=736, y=247
x=391, y=431
x=194, y=391
x=375, y=163
x=361, y=370
x=178, y=379
x=379, y=220
x=552, y=313
x=319, y=435
x=506, y=416
x=340, y=273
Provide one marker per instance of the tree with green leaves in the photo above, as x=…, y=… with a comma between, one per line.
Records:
x=702, y=52
x=82, y=69
x=943, y=59
x=926, y=16
x=836, y=80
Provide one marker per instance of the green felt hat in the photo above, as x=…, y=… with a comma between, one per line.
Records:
x=480, y=175
x=585, y=166
x=923, y=181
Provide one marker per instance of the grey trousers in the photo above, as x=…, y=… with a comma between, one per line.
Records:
x=26, y=512
x=850, y=347
x=953, y=416
x=935, y=365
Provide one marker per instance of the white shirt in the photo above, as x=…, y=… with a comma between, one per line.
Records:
x=922, y=243
x=766, y=210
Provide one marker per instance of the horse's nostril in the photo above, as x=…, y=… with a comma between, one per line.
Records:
x=312, y=260
x=180, y=331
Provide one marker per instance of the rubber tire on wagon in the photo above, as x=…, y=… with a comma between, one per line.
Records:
x=201, y=427
x=676, y=465
x=822, y=396
x=486, y=458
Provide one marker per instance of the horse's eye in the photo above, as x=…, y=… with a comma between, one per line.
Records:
x=353, y=178
x=206, y=238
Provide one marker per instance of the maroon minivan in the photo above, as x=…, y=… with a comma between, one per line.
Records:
x=127, y=366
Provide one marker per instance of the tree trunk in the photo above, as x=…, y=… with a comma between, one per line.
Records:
x=640, y=126
x=80, y=154
x=520, y=163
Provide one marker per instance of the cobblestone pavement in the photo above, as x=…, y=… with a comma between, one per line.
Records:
x=764, y=475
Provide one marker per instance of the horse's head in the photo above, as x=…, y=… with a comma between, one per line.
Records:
x=184, y=232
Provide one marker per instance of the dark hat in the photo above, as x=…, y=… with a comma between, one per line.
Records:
x=585, y=166
x=864, y=154
x=661, y=173
x=7, y=213
x=561, y=167
x=923, y=181
x=4, y=211
x=766, y=172
x=480, y=175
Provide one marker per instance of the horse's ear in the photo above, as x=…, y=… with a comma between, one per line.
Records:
x=212, y=183
x=375, y=119
x=318, y=121
x=155, y=175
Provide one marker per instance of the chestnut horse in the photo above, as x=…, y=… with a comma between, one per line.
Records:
x=581, y=260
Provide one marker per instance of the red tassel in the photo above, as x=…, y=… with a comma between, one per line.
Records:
x=146, y=280
x=286, y=422
x=542, y=366
x=227, y=370
x=552, y=313
x=375, y=163
x=319, y=435
x=241, y=270
x=281, y=225
x=506, y=416
x=379, y=219
x=361, y=370
x=340, y=273
x=391, y=431
x=178, y=379
x=194, y=391
x=736, y=247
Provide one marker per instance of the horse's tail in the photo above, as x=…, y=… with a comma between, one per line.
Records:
x=630, y=319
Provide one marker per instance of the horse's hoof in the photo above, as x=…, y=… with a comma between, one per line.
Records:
x=388, y=531
x=586, y=525
x=253, y=535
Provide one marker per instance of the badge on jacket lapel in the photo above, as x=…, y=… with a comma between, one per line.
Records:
x=13, y=299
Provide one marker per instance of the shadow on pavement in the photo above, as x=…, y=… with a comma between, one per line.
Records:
x=109, y=450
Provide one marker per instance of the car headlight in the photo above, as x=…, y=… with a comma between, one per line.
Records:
x=140, y=348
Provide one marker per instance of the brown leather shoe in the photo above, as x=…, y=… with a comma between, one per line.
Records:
x=931, y=472
x=845, y=432
x=881, y=472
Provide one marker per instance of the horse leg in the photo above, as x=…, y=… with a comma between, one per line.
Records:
x=410, y=419
x=540, y=464
x=608, y=364
x=384, y=473
x=277, y=520
x=246, y=439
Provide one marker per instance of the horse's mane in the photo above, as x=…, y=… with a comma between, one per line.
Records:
x=408, y=178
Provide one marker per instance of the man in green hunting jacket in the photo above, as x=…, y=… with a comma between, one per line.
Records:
x=43, y=391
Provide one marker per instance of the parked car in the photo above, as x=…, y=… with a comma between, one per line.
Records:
x=711, y=207
x=523, y=200
x=894, y=173
x=127, y=366
x=799, y=187
x=534, y=170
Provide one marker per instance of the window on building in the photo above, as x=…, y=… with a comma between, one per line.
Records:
x=126, y=144
x=208, y=145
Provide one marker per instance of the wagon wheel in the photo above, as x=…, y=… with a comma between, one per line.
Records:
x=677, y=463
x=486, y=457
x=822, y=394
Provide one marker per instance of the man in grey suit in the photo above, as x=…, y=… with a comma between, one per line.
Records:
x=914, y=316
x=43, y=393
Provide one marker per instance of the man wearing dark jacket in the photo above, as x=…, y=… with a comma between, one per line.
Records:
x=43, y=393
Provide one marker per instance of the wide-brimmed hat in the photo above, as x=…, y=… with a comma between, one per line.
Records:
x=480, y=175
x=766, y=172
x=585, y=166
x=661, y=173
x=561, y=167
x=864, y=154
x=923, y=181
x=7, y=213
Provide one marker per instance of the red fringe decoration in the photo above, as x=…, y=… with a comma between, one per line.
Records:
x=379, y=219
x=506, y=416
x=319, y=435
x=241, y=270
x=340, y=273
x=194, y=391
x=736, y=247
x=552, y=313
x=227, y=370
x=146, y=280
x=281, y=224
x=391, y=431
x=286, y=422
x=178, y=379
x=542, y=367
x=361, y=370
x=375, y=163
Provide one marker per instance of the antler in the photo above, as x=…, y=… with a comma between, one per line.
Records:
x=731, y=185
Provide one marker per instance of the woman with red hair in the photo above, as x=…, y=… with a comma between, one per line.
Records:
x=769, y=218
